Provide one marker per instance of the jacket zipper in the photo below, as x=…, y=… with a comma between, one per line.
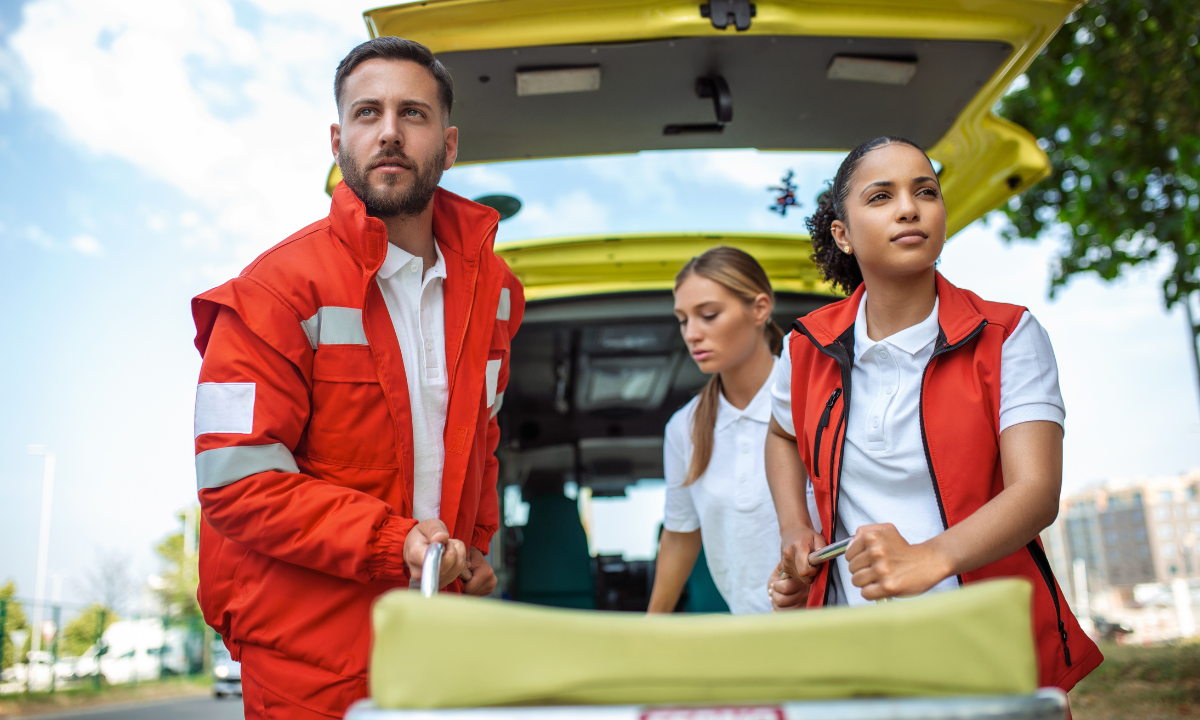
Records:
x=1035, y=550
x=845, y=366
x=824, y=423
x=1043, y=566
x=943, y=349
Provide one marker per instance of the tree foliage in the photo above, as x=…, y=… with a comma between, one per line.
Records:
x=1115, y=102
x=14, y=620
x=180, y=577
x=85, y=629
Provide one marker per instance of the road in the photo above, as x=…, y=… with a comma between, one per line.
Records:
x=202, y=708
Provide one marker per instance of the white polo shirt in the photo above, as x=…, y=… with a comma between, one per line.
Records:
x=415, y=302
x=730, y=503
x=885, y=477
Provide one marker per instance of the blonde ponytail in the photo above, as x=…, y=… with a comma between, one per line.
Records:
x=703, y=422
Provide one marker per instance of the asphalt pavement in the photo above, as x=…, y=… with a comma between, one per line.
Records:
x=202, y=708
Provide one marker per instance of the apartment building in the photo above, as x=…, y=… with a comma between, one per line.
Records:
x=1129, y=532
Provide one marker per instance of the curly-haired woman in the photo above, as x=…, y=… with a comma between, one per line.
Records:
x=928, y=420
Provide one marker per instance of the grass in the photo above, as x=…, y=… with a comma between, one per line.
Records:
x=1141, y=682
x=87, y=695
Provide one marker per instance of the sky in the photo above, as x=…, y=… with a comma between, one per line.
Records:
x=150, y=150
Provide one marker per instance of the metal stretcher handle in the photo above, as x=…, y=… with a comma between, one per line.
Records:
x=829, y=552
x=431, y=569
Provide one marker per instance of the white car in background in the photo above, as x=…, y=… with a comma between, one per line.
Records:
x=227, y=672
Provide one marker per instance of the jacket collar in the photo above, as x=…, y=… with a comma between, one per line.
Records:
x=957, y=316
x=462, y=227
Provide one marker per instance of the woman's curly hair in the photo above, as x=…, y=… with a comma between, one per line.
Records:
x=838, y=267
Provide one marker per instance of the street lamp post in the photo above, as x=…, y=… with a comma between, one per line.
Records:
x=39, y=596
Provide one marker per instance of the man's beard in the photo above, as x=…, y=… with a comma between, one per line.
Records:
x=393, y=201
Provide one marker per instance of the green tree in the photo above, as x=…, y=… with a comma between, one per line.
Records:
x=1115, y=102
x=180, y=575
x=83, y=631
x=14, y=620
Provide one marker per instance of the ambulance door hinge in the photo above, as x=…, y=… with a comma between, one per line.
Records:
x=724, y=13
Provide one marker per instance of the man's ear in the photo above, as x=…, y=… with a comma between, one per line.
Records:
x=451, y=138
x=335, y=139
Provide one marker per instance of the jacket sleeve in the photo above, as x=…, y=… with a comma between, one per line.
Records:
x=252, y=405
x=488, y=518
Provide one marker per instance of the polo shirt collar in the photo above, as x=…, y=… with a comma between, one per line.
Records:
x=758, y=410
x=398, y=259
x=911, y=340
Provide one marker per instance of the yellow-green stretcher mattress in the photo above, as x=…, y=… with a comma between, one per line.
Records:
x=449, y=652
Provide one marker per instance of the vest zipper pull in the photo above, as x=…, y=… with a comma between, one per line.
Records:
x=821, y=425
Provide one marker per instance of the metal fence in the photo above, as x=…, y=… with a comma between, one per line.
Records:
x=81, y=645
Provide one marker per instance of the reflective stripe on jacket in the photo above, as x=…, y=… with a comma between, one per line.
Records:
x=960, y=416
x=304, y=456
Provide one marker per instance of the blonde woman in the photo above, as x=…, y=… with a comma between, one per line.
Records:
x=717, y=494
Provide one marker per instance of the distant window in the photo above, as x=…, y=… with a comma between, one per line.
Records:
x=1164, y=531
x=1179, y=511
x=1196, y=529
x=1162, y=512
x=1109, y=520
x=1140, y=534
x=1137, y=515
x=1111, y=537
x=1168, y=549
x=1194, y=510
x=1144, y=551
x=1166, y=497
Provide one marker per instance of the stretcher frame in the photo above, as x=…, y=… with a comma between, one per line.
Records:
x=1045, y=704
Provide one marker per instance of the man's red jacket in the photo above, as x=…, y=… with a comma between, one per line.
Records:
x=304, y=445
x=960, y=422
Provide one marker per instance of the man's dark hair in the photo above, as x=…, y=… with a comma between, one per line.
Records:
x=394, y=48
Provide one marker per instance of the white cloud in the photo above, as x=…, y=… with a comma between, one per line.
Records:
x=236, y=120
x=486, y=180
x=87, y=245
x=576, y=213
x=38, y=237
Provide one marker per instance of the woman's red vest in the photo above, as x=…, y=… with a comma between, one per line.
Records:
x=960, y=415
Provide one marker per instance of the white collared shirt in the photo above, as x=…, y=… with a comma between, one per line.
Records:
x=885, y=476
x=415, y=302
x=730, y=503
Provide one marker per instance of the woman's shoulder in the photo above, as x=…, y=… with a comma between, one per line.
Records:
x=681, y=422
x=1001, y=314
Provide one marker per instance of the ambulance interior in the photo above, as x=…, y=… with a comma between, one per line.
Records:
x=592, y=384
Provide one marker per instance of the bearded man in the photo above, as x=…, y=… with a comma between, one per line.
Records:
x=345, y=415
